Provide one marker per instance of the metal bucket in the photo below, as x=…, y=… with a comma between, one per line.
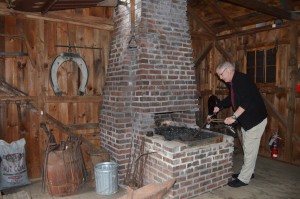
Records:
x=106, y=176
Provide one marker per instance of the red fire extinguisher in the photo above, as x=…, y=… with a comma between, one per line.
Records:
x=273, y=143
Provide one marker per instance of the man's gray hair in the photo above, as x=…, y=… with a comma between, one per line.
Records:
x=226, y=65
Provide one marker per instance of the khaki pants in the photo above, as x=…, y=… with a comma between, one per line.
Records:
x=251, y=143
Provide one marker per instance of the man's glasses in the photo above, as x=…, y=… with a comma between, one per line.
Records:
x=221, y=74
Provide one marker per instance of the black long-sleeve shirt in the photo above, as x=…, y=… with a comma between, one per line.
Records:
x=247, y=96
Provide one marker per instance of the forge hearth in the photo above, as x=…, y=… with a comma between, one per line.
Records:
x=190, y=135
x=198, y=166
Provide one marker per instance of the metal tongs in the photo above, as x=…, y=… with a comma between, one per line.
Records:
x=208, y=120
x=211, y=119
x=229, y=127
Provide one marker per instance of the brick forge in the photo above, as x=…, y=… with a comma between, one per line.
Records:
x=155, y=78
x=197, y=168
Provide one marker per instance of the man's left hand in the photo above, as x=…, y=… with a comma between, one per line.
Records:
x=229, y=120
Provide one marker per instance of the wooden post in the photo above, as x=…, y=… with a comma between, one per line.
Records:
x=292, y=81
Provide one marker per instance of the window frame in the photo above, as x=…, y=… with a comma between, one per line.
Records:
x=265, y=66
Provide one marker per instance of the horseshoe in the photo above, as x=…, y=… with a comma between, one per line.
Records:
x=59, y=60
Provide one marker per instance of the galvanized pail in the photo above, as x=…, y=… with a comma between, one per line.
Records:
x=106, y=176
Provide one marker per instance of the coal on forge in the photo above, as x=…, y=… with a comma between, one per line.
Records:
x=182, y=133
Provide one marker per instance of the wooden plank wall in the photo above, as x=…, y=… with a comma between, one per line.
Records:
x=30, y=74
x=276, y=94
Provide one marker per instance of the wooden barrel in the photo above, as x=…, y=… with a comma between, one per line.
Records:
x=64, y=172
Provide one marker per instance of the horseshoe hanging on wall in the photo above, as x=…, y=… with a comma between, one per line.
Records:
x=59, y=60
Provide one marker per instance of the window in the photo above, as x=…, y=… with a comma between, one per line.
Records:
x=261, y=65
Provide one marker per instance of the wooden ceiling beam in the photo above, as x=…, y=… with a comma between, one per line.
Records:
x=47, y=6
x=203, y=24
x=251, y=31
x=263, y=8
x=227, y=19
x=87, y=21
x=44, y=6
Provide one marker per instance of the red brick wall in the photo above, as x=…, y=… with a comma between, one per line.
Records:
x=156, y=77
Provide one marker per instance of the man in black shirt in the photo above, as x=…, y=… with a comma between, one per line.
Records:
x=249, y=110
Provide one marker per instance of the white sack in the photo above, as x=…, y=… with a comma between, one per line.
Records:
x=13, y=170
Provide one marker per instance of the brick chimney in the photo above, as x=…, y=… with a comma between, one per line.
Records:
x=154, y=77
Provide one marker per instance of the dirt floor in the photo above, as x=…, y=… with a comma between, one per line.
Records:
x=273, y=179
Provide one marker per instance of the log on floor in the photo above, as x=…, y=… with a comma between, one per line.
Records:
x=150, y=191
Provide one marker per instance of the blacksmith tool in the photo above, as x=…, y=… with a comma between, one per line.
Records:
x=208, y=121
x=238, y=132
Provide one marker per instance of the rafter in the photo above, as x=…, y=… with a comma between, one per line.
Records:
x=87, y=21
x=263, y=8
x=227, y=19
x=251, y=31
x=203, y=24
